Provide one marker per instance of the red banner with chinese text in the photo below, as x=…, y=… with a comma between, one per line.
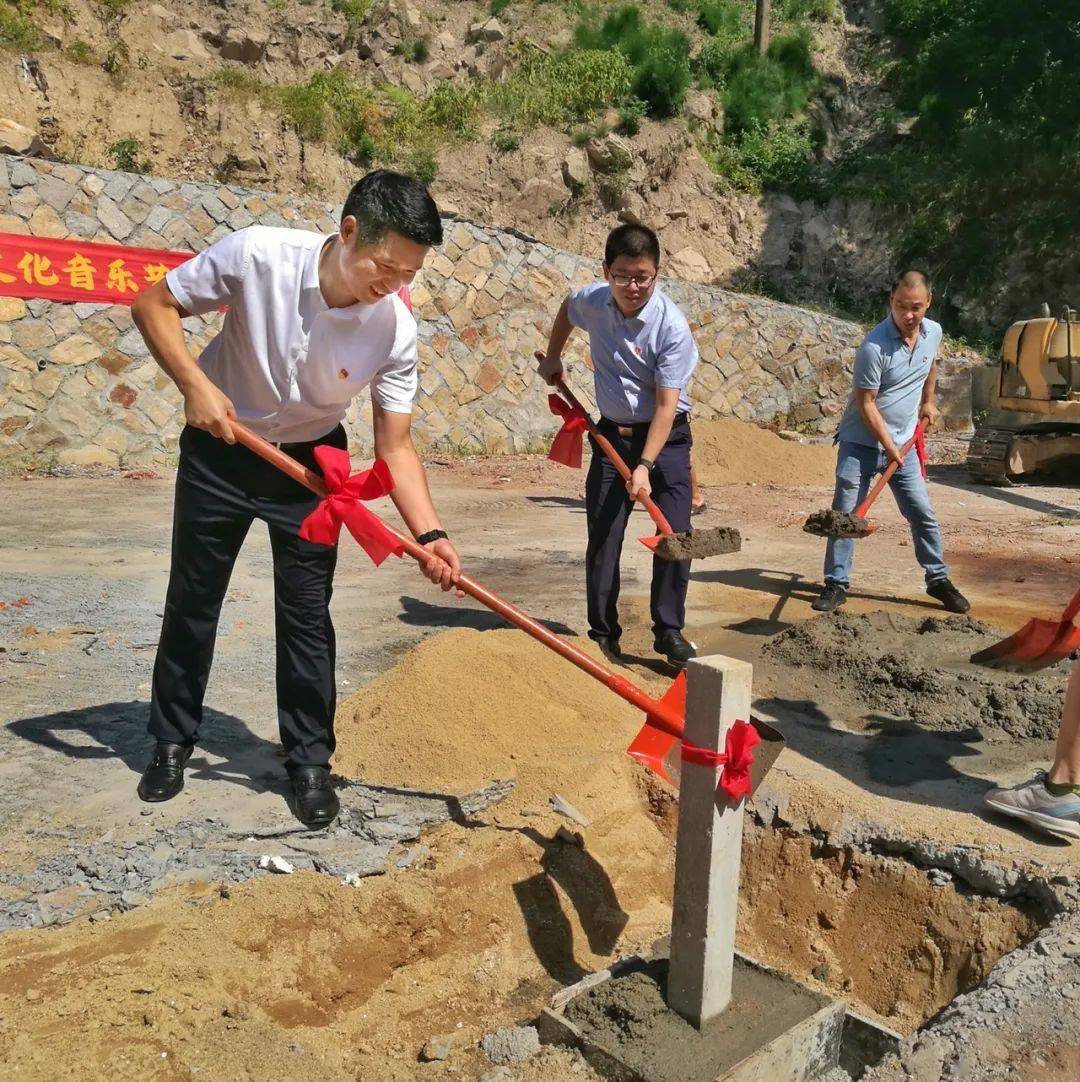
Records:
x=76, y=270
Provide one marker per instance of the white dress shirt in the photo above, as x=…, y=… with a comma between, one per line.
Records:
x=291, y=364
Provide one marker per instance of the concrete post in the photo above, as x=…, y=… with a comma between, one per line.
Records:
x=707, y=847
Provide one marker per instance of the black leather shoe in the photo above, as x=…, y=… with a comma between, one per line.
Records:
x=164, y=777
x=609, y=647
x=314, y=801
x=831, y=598
x=674, y=647
x=943, y=590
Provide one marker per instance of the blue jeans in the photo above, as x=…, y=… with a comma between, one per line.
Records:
x=856, y=467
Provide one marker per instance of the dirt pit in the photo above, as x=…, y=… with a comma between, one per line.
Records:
x=868, y=929
x=700, y=544
x=918, y=670
x=730, y=452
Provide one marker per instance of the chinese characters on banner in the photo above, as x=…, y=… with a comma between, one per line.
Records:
x=73, y=270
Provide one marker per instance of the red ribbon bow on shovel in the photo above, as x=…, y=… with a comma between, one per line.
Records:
x=920, y=448
x=342, y=507
x=736, y=758
x=566, y=447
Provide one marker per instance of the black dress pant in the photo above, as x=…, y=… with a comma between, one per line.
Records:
x=220, y=491
x=608, y=508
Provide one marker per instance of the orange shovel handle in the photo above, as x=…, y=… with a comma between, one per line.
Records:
x=666, y=718
x=608, y=448
x=883, y=480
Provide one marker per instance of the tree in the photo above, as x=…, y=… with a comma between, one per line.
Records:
x=761, y=26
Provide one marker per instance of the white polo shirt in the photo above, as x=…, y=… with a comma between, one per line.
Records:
x=291, y=364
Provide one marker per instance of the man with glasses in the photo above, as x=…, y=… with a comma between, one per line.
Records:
x=643, y=358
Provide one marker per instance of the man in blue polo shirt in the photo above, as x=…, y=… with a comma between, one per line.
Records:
x=893, y=389
x=643, y=358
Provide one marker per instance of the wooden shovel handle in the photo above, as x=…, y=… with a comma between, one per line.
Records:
x=886, y=474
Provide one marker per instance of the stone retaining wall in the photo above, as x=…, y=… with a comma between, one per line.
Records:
x=77, y=385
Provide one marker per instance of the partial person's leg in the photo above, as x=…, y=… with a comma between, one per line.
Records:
x=211, y=517
x=210, y=521
x=912, y=497
x=607, y=508
x=671, y=492
x=306, y=648
x=1051, y=801
x=855, y=469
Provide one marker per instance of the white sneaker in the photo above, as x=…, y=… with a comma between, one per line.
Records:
x=1032, y=802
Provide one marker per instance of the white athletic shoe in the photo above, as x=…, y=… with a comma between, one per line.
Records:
x=1032, y=802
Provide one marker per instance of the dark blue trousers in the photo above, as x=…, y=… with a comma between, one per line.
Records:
x=220, y=491
x=608, y=509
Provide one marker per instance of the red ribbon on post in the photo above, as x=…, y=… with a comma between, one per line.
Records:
x=736, y=758
x=342, y=505
x=566, y=447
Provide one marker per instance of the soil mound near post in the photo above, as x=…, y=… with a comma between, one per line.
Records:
x=730, y=452
x=468, y=706
x=919, y=670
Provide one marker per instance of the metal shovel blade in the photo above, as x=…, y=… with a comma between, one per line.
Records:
x=695, y=544
x=829, y=523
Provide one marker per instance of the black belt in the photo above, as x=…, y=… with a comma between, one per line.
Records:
x=640, y=428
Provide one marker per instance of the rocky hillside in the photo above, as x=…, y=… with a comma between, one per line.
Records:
x=549, y=116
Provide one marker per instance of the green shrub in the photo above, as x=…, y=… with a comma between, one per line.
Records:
x=451, y=107
x=723, y=18
x=505, y=139
x=116, y=59
x=125, y=155
x=353, y=10
x=421, y=164
x=17, y=32
x=80, y=53
x=764, y=90
x=499, y=6
x=631, y=114
x=329, y=106
x=780, y=156
x=822, y=11
x=658, y=54
x=416, y=51
x=559, y=89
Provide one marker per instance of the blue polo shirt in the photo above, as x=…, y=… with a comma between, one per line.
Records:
x=883, y=363
x=633, y=355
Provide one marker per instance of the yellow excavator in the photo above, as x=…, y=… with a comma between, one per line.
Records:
x=1039, y=374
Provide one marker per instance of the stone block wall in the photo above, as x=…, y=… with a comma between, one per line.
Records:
x=77, y=385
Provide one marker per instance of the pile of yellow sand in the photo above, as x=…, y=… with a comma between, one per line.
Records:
x=730, y=452
x=468, y=706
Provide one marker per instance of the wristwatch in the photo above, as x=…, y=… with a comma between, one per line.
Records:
x=647, y=463
x=432, y=535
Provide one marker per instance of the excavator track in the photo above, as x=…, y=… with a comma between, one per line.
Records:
x=988, y=454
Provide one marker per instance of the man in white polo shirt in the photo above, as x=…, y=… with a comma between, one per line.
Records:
x=312, y=320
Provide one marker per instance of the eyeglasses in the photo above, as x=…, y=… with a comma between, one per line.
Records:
x=640, y=280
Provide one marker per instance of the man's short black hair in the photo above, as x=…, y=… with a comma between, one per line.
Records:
x=632, y=241
x=910, y=279
x=386, y=202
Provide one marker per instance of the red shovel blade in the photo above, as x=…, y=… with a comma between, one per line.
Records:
x=654, y=747
x=651, y=542
x=1038, y=644
x=872, y=527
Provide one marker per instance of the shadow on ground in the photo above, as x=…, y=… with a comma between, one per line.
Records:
x=417, y=613
x=589, y=890
x=787, y=586
x=891, y=757
x=118, y=731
